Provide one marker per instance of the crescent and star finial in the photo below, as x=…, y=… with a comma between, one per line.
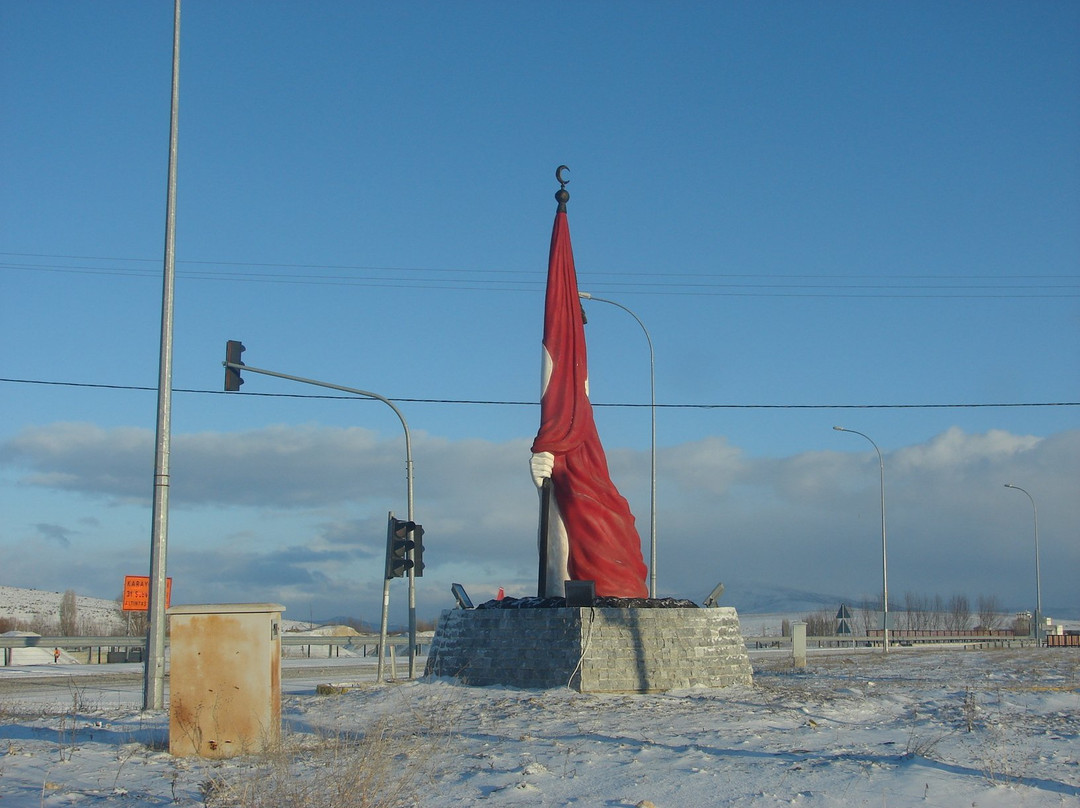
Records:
x=562, y=196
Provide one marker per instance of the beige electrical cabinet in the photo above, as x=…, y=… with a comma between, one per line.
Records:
x=224, y=679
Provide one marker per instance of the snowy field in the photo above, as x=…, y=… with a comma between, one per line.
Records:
x=920, y=727
x=40, y=606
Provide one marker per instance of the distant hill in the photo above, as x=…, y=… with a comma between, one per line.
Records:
x=751, y=597
x=41, y=608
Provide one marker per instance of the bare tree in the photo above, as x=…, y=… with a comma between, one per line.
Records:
x=69, y=614
x=915, y=609
x=819, y=624
x=41, y=623
x=869, y=609
x=989, y=612
x=958, y=613
x=1022, y=624
x=937, y=613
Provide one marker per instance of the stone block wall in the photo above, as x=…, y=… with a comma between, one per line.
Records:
x=597, y=650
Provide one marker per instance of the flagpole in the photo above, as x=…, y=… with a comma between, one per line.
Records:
x=600, y=543
x=545, y=504
x=562, y=196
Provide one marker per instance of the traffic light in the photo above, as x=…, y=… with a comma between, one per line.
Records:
x=418, y=550
x=398, y=547
x=233, y=349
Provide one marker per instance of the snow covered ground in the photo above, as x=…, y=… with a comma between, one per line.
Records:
x=41, y=606
x=925, y=727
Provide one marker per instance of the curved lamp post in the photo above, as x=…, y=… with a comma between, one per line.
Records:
x=652, y=454
x=1038, y=583
x=884, y=554
x=240, y=366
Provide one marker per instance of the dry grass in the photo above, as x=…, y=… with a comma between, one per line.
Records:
x=389, y=765
x=371, y=771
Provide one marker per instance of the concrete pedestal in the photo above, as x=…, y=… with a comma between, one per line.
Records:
x=225, y=679
x=595, y=650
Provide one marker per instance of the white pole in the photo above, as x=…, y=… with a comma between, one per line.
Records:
x=884, y=553
x=1038, y=582
x=154, y=664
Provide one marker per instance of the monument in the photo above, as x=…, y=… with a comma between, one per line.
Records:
x=592, y=626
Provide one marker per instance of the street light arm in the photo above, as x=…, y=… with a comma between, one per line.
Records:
x=587, y=296
x=354, y=391
x=884, y=553
x=856, y=432
x=409, y=490
x=652, y=414
x=1038, y=575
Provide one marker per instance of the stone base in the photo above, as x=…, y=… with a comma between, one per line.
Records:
x=592, y=650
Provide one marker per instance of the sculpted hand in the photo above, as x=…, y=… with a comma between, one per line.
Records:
x=541, y=465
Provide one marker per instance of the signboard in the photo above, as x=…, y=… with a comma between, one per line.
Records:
x=843, y=620
x=137, y=593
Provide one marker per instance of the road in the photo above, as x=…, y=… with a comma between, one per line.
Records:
x=62, y=686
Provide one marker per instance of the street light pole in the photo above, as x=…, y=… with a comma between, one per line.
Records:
x=652, y=445
x=884, y=553
x=1038, y=582
x=154, y=664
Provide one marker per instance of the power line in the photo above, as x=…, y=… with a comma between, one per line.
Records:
x=461, y=269
x=156, y=261
x=653, y=283
x=496, y=402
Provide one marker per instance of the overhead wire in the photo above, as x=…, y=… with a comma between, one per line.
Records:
x=504, y=402
x=510, y=280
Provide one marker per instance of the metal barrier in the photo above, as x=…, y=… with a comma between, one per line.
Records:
x=368, y=645
x=131, y=649
x=968, y=640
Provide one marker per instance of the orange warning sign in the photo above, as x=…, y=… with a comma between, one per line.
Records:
x=137, y=593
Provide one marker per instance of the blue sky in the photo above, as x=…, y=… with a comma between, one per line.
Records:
x=820, y=211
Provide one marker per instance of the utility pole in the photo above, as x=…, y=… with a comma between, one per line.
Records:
x=154, y=665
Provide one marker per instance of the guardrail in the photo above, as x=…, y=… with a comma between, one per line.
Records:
x=131, y=649
x=967, y=640
x=116, y=649
x=72, y=642
x=367, y=644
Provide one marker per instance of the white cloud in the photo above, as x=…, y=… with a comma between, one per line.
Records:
x=955, y=449
x=307, y=511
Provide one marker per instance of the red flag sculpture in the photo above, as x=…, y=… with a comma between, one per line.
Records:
x=591, y=532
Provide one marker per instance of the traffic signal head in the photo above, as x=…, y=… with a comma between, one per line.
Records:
x=233, y=349
x=418, y=550
x=399, y=547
